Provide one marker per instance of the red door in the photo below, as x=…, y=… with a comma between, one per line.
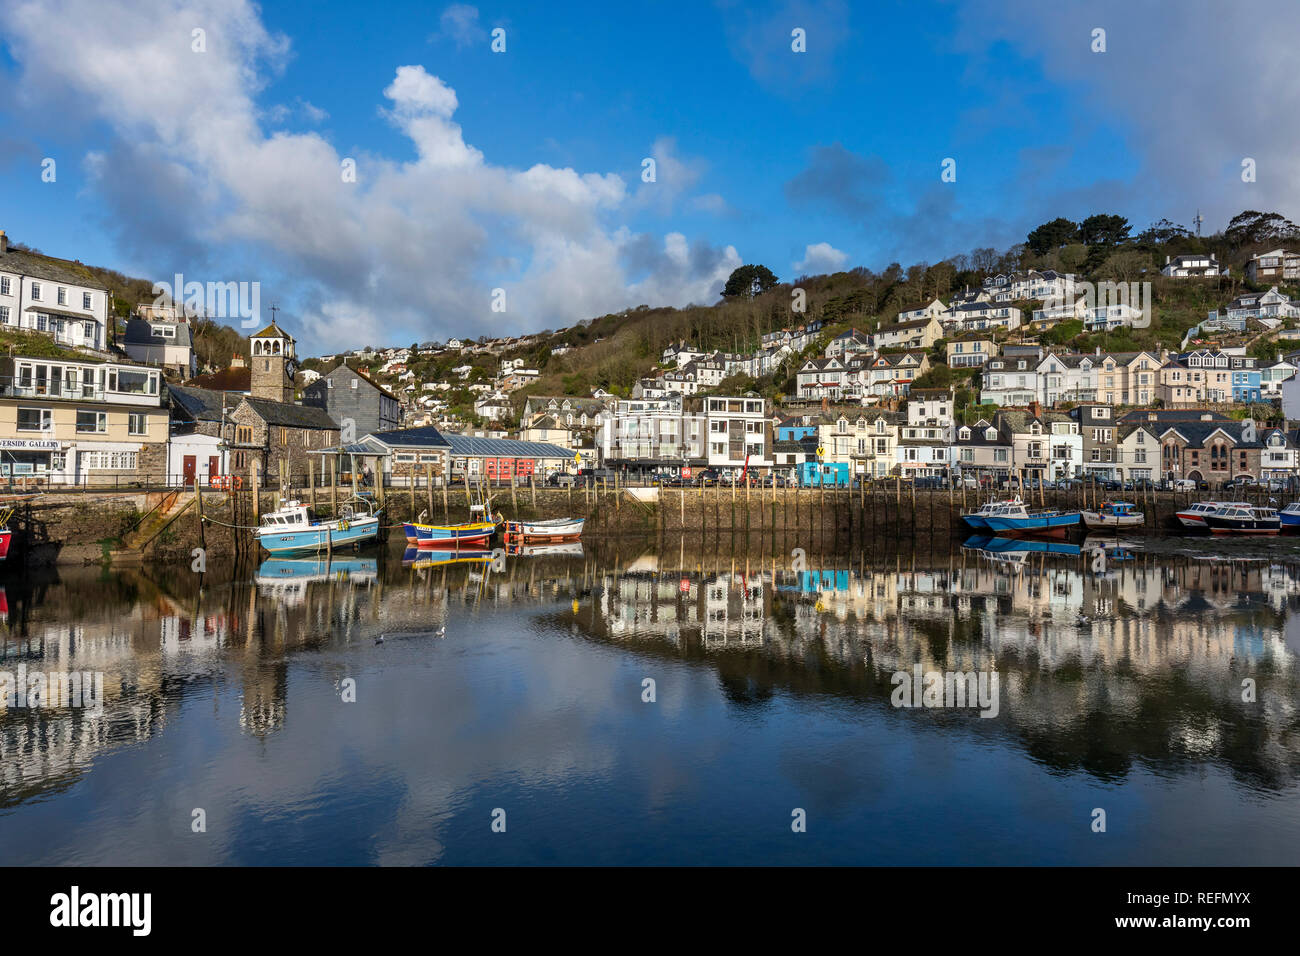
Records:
x=189, y=468
x=214, y=468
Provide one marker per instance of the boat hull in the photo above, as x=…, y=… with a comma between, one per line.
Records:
x=1098, y=522
x=1289, y=519
x=1194, y=520
x=1033, y=524
x=1221, y=525
x=5, y=537
x=978, y=522
x=474, y=532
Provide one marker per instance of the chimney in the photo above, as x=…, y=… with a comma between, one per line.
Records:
x=1035, y=409
x=4, y=241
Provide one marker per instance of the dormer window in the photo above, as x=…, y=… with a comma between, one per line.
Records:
x=964, y=434
x=990, y=434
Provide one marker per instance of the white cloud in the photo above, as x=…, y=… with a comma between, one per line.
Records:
x=821, y=257
x=411, y=249
x=459, y=23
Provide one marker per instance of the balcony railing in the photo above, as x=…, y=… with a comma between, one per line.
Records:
x=81, y=392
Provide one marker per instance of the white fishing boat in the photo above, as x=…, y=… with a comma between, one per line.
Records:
x=1194, y=516
x=291, y=528
x=1112, y=515
x=555, y=529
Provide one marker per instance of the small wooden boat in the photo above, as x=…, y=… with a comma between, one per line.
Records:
x=1244, y=519
x=1016, y=519
x=556, y=529
x=1113, y=514
x=291, y=528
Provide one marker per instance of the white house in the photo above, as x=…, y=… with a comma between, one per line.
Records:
x=55, y=297
x=1191, y=267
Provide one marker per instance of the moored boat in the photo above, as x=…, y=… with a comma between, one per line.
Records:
x=291, y=528
x=978, y=519
x=555, y=529
x=1193, y=516
x=457, y=535
x=1290, y=515
x=429, y=558
x=1016, y=519
x=1113, y=514
x=1244, y=519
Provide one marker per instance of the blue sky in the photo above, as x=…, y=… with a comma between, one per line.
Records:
x=522, y=170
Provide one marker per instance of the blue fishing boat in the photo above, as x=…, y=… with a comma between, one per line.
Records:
x=292, y=529
x=1016, y=519
x=1290, y=515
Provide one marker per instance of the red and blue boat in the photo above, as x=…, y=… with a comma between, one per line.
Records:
x=456, y=535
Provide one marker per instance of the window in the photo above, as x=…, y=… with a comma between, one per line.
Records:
x=34, y=419
x=89, y=422
x=62, y=296
x=36, y=292
x=86, y=301
x=4, y=315
x=88, y=330
x=137, y=423
x=4, y=286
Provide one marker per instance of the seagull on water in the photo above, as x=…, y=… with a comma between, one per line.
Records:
x=379, y=639
x=441, y=632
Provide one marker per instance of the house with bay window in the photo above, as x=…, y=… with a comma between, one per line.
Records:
x=57, y=298
x=78, y=421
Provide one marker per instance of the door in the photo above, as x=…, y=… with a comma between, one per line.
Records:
x=189, y=467
x=214, y=468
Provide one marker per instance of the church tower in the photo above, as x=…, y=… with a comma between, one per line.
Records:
x=273, y=364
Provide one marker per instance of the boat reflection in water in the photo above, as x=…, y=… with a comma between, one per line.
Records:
x=429, y=558
x=775, y=686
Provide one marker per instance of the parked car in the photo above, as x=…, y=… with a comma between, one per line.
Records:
x=928, y=482
x=559, y=479
x=966, y=481
x=1067, y=483
x=1240, y=483
x=1184, y=484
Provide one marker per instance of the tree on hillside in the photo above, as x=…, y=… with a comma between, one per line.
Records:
x=1159, y=233
x=1104, y=230
x=1252, y=227
x=1052, y=235
x=748, y=281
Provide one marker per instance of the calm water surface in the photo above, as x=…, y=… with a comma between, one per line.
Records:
x=772, y=692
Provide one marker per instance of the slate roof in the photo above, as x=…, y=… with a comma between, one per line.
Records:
x=1196, y=433
x=140, y=332
x=290, y=416
x=47, y=267
x=202, y=404
x=1167, y=415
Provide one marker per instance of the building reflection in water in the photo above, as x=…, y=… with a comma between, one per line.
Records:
x=1108, y=655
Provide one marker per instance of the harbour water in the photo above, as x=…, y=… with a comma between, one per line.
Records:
x=661, y=702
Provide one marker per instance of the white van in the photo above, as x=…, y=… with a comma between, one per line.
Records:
x=1184, y=484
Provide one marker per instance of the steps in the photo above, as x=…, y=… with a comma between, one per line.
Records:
x=154, y=523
